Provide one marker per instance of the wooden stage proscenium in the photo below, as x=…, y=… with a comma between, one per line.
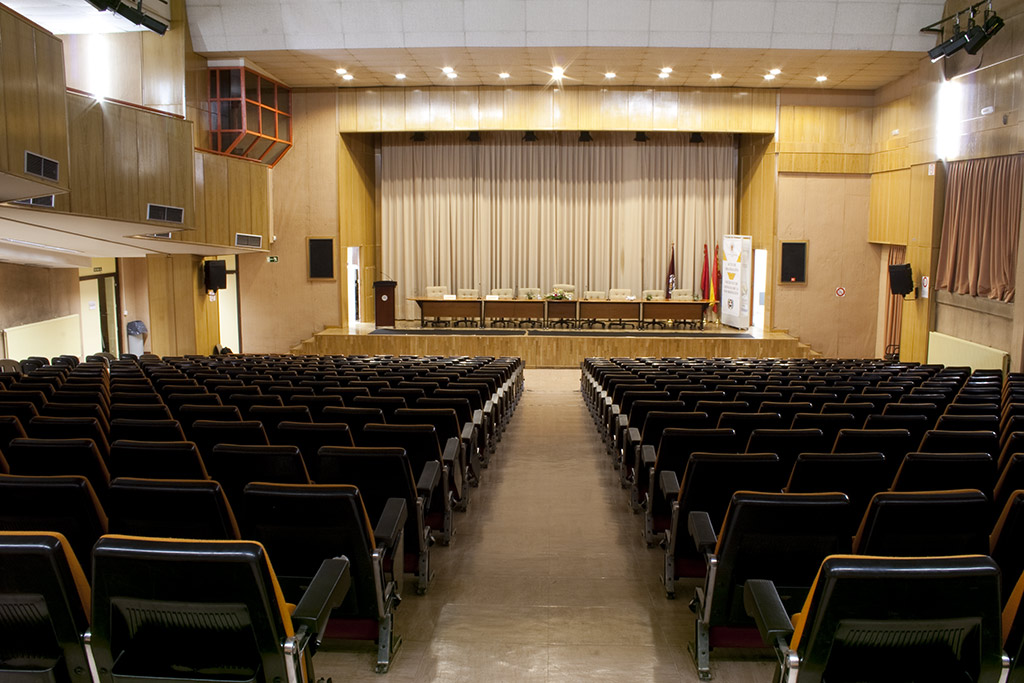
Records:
x=553, y=351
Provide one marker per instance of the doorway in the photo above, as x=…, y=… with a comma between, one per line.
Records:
x=100, y=314
x=352, y=275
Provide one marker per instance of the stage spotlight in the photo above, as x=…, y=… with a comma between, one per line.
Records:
x=979, y=35
x=530, y=136
x=641, y=137
x=585, y=136
x=419, y=136
x=474, y=136
x=696, y=138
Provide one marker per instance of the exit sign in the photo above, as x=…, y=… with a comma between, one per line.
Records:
x=271, y=259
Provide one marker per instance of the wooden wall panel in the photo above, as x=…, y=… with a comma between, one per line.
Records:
x=927, y=196
x=182, y=318
x=757, y=217
x=120, y=178
x=20, y=90
x=572, y=108
x=232, y=195
x=358, y=217
x=890, y=207
x=53, y=120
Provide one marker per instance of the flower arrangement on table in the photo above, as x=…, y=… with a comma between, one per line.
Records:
x=559, y=295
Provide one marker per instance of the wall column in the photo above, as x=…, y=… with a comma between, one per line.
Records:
x=183, y=320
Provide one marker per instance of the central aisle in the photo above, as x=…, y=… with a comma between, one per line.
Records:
x=547, y=578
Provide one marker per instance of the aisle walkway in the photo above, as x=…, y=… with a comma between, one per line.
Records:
x=547, y=579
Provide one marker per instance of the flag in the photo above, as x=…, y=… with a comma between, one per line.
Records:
x=704, y=277
x=670, y=283
x=715, y=275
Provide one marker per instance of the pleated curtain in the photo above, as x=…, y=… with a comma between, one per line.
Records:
x=505, y=213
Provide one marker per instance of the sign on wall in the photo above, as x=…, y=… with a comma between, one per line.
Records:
x=737, y=263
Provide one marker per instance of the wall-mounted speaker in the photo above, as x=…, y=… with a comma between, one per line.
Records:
x=793, y=263
x=901, y=279
x=215, y=275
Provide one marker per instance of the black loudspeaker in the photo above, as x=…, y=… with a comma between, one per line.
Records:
x=901, y=279
x=215, y=275
x=793, y=263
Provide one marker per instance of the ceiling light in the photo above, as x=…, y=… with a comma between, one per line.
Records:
x=419, y=137
x=400, y=77
x=585, y=136
x=641, y=137
x=37, y=245
x=775, y=72
x=769, y=77
x=452, y=74
x=821, y=79
x=666, y=69
x=715, y=76
x=530, y=136
x=663, y=74
x=956, y=42
x=504, y=74
x=341, y=72
x=347, y=77
x=474, y=136
x=696, y=138
x=557, y=72
x=609, y=74
x=447, y=70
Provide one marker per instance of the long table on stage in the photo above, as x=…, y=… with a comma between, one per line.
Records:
x=561, y=309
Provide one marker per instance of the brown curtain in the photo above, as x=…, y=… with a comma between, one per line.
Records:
x=894, y=303
x=978, y=252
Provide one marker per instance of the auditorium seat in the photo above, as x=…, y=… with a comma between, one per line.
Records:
x=206, y=609
x=859, y=475
x=913, y=615
x=235, y=465
x=302, y=525
x=828, y=423
x=310, y=437
x=381, y=474
x=271, y=416
x=156, y=460
x=945, y=441
x=146, y=430
x=66, y=505
x=10, y=429
x=316, y=404
x=893, y=443
x=530, y=293
x=447, y=426
x=707, y=485
x=744, y=423
x=1006, y=544
x=648, y=437
x=386, y=404
x=786, y=409
x=944, y=471
x=173, y=508
x=45, y=602
x=810, y=526
x=49, y=457
x=917, y=425
x=356, y=418
x=140, y=411
x=921, y=523
x=46, y=427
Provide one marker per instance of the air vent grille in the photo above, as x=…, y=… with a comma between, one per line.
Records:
x=41, y=167
x=246, y=240
x=167, y=214
x=160, y=235
x=46, y=201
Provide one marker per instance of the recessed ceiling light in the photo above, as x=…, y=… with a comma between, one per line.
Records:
x=504, y=74
x=348, y=77
x=769, y=77
x=447, y=70
x=715, y=76
x=821, y=79
x=663, y=74
x=775, y=72
x=341, y=72
x=557, y=71
x=666, y=69
x=452, y=74
x=609, y=74
x=400, y=77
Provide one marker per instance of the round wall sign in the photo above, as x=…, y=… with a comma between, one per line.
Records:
x=840, y=291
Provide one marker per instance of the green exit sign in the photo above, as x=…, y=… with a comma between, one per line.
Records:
x=271, y=259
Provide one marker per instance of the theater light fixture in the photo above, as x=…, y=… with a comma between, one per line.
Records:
x=132, y=11
x=641, y=137
x=970, y=40
x=696, y=138
x=585, y=136
x=530, y=136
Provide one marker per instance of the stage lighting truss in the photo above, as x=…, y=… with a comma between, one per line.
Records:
x=970, y=40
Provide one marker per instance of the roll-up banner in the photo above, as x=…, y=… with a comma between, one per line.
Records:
x=737, y=263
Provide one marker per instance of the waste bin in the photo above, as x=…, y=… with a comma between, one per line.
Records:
x=137, y=337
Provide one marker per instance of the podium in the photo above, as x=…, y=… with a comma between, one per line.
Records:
x=384, y=303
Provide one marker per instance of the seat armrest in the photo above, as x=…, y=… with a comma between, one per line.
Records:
x=391, y=523
x=325, y=593
x=467, y=432
x=632, y=435
x=701, y=531
x=430, y=477
x=622, y=422
x=762, y=602
x=450, y=456
x=478, y=418
x=648, y=456
x=668, y=484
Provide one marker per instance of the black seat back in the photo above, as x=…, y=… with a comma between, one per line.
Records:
x=922, y=523
x=173, y=508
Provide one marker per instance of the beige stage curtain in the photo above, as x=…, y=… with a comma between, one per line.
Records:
x=894, y=303
x=599, y=215
x=980, y=225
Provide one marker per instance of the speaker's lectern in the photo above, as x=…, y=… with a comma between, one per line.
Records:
x=384, y=302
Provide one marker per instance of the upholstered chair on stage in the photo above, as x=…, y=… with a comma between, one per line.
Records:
x=466, y=293
x=653, y=295
x=503, y=293
x=436, y=292
x=620, y=295
x=682, y=295
x=591, y=295
x=568, y=289
x=529, y=293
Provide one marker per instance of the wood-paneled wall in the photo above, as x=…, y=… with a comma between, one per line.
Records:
x=890, y=207
x=232, y=195
x=728, y=110
x=358, y=218
x=123, y=158
x=182, y=318
x=32, y=113
x=757, y=215
x=927, y=196
x=830, y=134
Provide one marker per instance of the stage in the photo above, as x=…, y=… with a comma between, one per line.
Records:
x=554, y=348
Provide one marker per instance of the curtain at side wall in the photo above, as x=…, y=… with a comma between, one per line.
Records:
x=980, y=225
x=894, y=303
x=503, y=213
